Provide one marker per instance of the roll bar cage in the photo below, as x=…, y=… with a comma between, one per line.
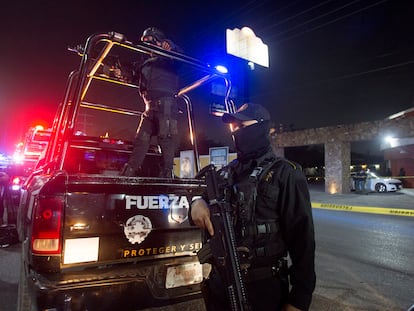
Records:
x=80, y=80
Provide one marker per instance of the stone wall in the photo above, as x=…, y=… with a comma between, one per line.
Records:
x=337, y=141
x=351, y=132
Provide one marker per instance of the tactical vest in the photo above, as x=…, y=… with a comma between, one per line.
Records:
x=158, y=76
x=256, y=218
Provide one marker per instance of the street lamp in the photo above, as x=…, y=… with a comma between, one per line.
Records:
x=391, y=141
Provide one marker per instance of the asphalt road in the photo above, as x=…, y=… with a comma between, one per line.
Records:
x=363, y=261
x=9, y=277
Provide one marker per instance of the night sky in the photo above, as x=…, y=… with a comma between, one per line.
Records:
x=331, y=62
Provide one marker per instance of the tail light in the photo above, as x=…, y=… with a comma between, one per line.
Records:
x=46, y=226
x=16, y=183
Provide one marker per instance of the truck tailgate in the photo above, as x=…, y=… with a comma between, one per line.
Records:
x=108, y=220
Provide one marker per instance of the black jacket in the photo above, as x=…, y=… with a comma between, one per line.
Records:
x=295, y=213
x=283, y=194
x=158, y=78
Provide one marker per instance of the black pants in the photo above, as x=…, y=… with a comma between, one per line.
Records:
x=268, y=294
x=160, y=121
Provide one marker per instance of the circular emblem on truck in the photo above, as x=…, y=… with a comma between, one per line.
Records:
x=137, y=228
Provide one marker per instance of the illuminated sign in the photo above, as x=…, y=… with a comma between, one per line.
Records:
x=219, y=156
x=244, y=44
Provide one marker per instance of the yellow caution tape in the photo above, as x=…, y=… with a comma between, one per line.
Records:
x=365, y=209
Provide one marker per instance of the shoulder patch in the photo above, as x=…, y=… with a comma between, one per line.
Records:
x=269, y=176
x=293, y=164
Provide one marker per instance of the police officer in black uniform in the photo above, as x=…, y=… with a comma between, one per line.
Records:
x=158, y=85
x=273, y=220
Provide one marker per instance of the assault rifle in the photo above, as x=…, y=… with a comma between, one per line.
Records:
x=220, y=249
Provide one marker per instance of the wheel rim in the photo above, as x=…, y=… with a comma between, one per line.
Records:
x=381, y=188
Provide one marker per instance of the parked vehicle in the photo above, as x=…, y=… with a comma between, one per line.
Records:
x=10, y=186
x=35, y=143
x=376, y=183
x=16, y=176
x=18, y=170
x=95, y=240
x=4, y=161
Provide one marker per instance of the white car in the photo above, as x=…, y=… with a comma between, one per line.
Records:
x=377, y=183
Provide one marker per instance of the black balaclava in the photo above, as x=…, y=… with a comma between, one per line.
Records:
x=252, y=141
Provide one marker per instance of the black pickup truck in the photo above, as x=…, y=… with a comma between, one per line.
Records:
x=95, y=240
